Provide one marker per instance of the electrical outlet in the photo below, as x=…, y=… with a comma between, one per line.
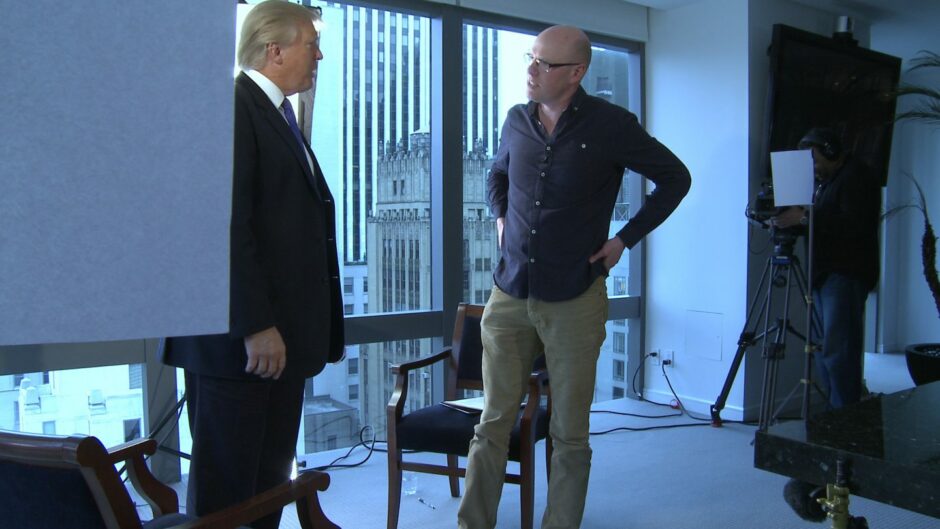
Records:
x=655, y=357
x=668, y=358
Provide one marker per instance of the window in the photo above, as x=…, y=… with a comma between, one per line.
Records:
x=618, y=370
x=95, y=401
x=620, y=286
x=135, y=376
x=618, y=392
x=348, y=309
x=131, y=429
x=340, y=409
x=375, y=154
x=494, y=80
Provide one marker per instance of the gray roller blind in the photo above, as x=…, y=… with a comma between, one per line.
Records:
x=115, y=169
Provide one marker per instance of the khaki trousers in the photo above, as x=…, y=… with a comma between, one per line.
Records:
x=514, y=333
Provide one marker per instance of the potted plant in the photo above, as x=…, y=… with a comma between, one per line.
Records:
x=923, y=360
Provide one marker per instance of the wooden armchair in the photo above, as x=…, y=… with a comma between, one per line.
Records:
x=56, y=481
x=444, y=430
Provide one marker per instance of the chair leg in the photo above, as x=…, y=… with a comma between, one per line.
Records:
x=527, y=490
x=310, y=514
x=453, y=475
x=394, y=487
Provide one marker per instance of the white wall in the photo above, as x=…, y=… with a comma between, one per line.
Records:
x=908, y=314
x=697, y=104
x=707, y=70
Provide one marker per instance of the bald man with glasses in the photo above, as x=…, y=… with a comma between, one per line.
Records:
x=552, y=189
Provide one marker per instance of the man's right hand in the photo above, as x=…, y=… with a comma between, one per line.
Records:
x=267, y=354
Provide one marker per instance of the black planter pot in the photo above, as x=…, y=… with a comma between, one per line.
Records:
x=923, y=362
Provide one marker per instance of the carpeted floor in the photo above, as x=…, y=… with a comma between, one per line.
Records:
x=684, y=478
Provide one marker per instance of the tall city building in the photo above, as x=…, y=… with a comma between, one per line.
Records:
x=373, y=101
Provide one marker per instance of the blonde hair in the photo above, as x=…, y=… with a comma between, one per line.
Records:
x=273, y=21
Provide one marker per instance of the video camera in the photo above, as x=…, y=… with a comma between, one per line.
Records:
x=762, y=210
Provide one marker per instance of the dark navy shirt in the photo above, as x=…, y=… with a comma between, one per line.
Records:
x=557, y=193
x=845, y=226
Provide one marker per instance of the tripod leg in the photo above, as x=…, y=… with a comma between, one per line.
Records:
x=745, y=340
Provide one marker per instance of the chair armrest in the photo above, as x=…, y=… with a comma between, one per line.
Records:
x=396, y=403
x=405, y=367
x=161, y=498
x=136, y=448
x=303, y=490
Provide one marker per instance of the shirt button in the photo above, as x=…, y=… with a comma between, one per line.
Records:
x=538, y=202
x=532, y=260
x=548, y=147
x=542, y=174
x=533, y=231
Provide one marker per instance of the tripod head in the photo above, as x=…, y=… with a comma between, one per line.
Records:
x=784, y=239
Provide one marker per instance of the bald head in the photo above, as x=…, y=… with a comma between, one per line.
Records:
x=569, y=42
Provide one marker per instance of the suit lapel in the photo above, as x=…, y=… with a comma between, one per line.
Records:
x=279, y=124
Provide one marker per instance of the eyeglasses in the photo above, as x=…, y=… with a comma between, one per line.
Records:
x=545, y=66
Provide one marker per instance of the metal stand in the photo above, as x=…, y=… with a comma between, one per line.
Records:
x=836, y=502
x=172, y=414
x=782, y=270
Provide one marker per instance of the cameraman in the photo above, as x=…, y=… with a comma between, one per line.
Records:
x=845, y=260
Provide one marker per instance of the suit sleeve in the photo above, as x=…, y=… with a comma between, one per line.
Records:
x=250, y=307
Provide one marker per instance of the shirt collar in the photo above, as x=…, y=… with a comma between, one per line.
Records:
x=270, y=89
x=576, y=101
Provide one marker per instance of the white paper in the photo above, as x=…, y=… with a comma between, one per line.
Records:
x=792, y=173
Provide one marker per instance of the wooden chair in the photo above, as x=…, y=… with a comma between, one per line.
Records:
x=56, y=481
x=444, y=430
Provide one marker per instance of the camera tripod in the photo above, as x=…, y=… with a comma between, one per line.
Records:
x=782, y=270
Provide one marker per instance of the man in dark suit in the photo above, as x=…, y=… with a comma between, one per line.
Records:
x=245, y=388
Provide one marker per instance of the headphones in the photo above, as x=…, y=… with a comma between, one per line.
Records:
x=827, y=140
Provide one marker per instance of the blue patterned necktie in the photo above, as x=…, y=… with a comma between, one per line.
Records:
x=292, y=121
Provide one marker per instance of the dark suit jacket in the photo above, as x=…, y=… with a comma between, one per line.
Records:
x=284, y=269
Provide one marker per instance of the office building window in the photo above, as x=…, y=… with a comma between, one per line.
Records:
x=494, y=80
x=135, y=376
x=131, y=429
x=98, y=398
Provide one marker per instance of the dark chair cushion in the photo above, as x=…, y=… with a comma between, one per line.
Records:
x=444, y=430
x=32, y=496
